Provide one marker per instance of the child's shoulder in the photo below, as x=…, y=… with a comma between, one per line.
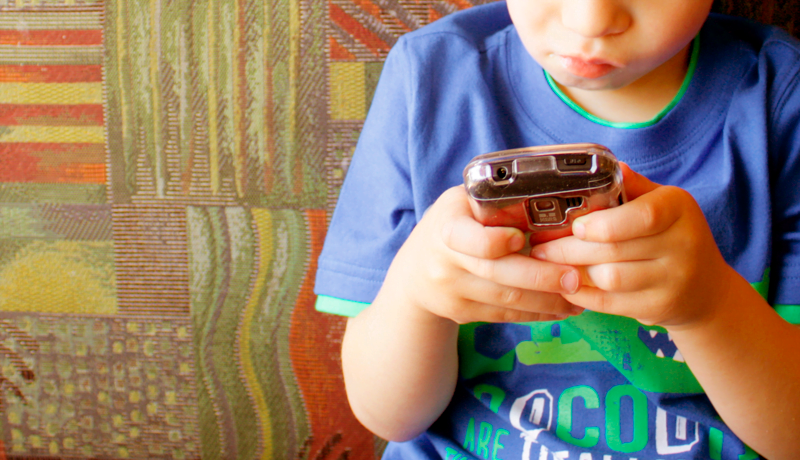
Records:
x=754, y=38
x=753, y=54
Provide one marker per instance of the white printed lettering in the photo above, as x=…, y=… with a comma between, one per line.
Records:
x=537, y=411
x=541, y=416
x=543, y=453
x=680, y=428
x=662, y=436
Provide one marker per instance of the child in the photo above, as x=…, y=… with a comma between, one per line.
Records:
x=645, y=334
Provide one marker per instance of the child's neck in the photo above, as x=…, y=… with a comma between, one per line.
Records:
x=639, y=101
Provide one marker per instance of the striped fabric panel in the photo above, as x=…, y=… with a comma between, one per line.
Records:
x=51, y=37
x=246, y=267
x=313, y=339
x=52, y=162
x=365, y=30
x=51, y=93
x=51, y=73
x=37, y=17
x=222, y=101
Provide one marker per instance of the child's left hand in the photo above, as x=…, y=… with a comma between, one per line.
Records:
x=653, y=259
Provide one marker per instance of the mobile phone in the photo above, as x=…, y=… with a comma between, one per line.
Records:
x=543, y=189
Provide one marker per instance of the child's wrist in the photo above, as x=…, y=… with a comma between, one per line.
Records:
x=718, y=302
x=400, y=304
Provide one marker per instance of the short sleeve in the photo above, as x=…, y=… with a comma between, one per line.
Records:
x=375, y=211
x=785, y=183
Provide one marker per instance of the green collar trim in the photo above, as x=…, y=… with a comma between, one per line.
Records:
x=612, y=124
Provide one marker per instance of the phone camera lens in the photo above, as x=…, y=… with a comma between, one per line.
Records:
x=502, y=172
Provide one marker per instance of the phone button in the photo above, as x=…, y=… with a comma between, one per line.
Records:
x=574, y=162
x=546, y=211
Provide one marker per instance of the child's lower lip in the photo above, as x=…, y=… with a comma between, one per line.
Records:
x=584, y=69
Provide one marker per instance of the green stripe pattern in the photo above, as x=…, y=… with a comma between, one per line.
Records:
x=244, y=282
x=206, y=100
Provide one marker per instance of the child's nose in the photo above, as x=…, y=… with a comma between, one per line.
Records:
x=595, y=18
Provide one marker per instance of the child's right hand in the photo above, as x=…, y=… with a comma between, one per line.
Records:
x=455, y=268
x=401, y=351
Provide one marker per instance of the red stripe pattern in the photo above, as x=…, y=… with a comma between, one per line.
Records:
x=314, y=344
x=29, y=161
x=51, y=37
x=61, y=115
x=51, y=73
x=375, y=44
x=52, y=163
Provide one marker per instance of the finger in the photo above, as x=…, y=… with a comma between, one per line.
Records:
x=488, y=293
x=649, y=214
x=522, y=272
x=595, y=299
x=574, y=251
x=626, y=276
x=633, y=305
x=494, y=314
x=462, y=233
x=635, y=184
x=613, y=303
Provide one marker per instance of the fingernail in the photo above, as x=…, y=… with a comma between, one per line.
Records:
x=570, y=282
x=539, y=254
x=579, y=229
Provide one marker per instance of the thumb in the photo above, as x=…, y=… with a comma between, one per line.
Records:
x=636, y=184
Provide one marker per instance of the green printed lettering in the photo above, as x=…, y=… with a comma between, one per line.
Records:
x=497, y=395
x=715, y=437
x=496, y=444
x=613, y=414
x=564, y=428
x=469, y=439
x=617, y=338
x=715, y=440
x=484, y=437
x=450, y=453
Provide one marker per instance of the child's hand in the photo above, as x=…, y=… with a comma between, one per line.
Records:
x=653, y=259
x=454, y=267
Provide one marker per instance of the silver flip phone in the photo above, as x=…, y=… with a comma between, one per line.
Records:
x=543, y=188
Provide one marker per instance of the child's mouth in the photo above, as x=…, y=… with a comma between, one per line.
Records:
x=586, y=68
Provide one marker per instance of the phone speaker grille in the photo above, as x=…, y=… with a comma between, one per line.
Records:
x=574, y=202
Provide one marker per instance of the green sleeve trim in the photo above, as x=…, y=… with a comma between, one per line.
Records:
x=340, y=307
x=695, y=52
x=762, y=287
x=790, y=313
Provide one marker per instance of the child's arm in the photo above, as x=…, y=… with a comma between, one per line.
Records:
x=655, y=259
x=399, y=355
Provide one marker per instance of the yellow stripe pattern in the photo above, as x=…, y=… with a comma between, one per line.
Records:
x=263, y=222
x=347, y=98
x=213, y=123
x=54, y=134
x=51, y=93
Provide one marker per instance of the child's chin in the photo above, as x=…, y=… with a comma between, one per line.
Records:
x=604, y=83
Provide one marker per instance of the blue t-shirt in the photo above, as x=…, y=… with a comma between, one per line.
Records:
x=594, y=386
